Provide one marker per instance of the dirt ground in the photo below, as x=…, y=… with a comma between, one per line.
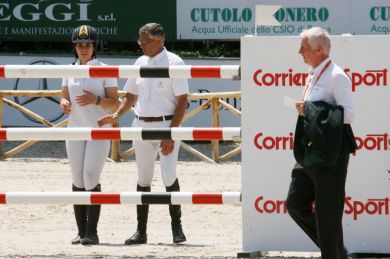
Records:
x=45, y=231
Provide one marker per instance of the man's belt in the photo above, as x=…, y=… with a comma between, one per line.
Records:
x=151, y=119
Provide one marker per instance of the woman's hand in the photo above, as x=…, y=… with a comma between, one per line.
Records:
x=108, y=119
x=66, y=106
x=86, y=98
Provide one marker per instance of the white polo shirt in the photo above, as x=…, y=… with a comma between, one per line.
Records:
x=157, y=96
x=333, y=87
x=87, y=116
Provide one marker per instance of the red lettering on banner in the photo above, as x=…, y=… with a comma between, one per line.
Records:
x=279, y=79
x=356, y=208
x=373, y=142
x=269, y=206
x=371, y=77
x=370, y=207
x=368, y=78
x=274, y=143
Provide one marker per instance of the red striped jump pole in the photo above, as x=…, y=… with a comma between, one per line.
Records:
x=140, y=198
x=122, y=71
x=124, y=133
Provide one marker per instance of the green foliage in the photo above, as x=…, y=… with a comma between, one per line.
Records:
x=220, y=50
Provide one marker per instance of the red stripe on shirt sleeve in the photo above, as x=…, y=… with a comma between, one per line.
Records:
x=107, y=72
x=105, y=198
x=207, y=198
x=205, y=72
x=106, y=134
x=207, y=134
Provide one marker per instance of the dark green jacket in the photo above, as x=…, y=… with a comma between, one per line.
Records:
x=321, y=137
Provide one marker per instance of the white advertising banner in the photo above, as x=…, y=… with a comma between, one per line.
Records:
x=49, y=108
x=370, y=17
x=230, y=19
x=272, y=70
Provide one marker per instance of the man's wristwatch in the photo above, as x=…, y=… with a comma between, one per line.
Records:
x=115, y=116
x=98, y=99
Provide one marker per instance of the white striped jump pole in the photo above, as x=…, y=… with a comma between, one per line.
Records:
x=140, y=198
x=176, y=133
x=122, y=71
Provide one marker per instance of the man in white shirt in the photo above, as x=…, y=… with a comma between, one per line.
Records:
x=159, y=103
x=325, y=184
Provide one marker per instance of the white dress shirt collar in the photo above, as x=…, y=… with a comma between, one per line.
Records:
x=318, y=69
x=159, y=56
x=90, y=63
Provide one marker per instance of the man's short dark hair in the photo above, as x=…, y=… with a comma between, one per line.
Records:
x=155, y=30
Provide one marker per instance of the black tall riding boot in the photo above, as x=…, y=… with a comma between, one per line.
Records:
x=93, y=214
x=140, y=236
x=80, y=213
x=175, y=212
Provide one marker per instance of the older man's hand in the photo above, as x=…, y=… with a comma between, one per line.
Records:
x=300, y=107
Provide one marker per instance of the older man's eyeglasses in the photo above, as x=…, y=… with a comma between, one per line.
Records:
x=145, y=42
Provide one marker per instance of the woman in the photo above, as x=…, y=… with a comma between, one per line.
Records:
x=85, y=100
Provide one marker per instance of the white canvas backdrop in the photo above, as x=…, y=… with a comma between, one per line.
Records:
x=268, y=127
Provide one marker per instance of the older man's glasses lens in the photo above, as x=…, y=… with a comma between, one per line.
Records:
x=144, y=42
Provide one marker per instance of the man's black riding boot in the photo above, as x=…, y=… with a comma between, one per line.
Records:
x=80, y=213
x=175, y=212
x=140, y=236
x=93, y=214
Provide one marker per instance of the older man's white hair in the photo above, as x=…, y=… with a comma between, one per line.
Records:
x=317, y=36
